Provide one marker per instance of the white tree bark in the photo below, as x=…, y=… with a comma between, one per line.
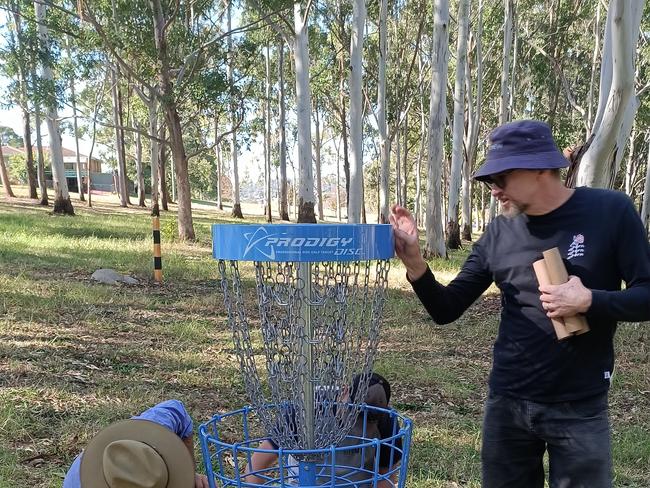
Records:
x=457, y=155
x=236, y=204
x=217, y=157
x=356, y=111
x=317, y=161
x=417, y=208
x=267, y=138
x=474, y=123
x=612, y=128
x=303, y=103
x=121, y=163
x=630, y=169
x=435, y=238
x=504, y=113
x=75, y=127
x=138, y=167
x=384, y=143
x=40, y=159
x=284, y=196
x=62, y=203
x=152, y=107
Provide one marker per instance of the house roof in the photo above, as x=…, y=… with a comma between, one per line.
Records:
x=68, y=153
x=11, y=151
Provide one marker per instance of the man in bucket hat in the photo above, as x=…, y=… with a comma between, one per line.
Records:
x=544, y=395
x=151, y=450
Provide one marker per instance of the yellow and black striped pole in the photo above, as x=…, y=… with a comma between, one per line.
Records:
x=157, y=259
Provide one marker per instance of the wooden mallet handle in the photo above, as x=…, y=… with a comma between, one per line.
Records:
x=541, y=272
x=558, y=275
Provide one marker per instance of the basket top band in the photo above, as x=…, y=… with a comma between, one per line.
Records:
x=302, y=242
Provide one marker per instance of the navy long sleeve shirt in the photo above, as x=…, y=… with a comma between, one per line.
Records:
x=602, y=241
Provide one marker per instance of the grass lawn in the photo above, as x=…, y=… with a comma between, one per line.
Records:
x=76, y=355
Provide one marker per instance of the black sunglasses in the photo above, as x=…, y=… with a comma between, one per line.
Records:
x=497, y=180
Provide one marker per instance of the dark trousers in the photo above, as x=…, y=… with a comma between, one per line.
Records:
x=576, y=434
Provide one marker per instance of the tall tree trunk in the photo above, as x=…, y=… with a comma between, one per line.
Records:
x=119, y=141
x=138, y=168
x=4, y=176
x=317, y=160
x=267, y=136
x=24, y=105
x=162, y=168
x=284, y=202
x=75, y=128
x=594, y=64
x=344, y=129
x=42, y=182
x=154, y=153
x=597, y=166
x=384, y=143
x=356, y=110
x=645, y=207
x=62, y=203
x=504, y=113
x=303, y=107
x=236, y=204
x=453, y=229
x=435, y=238
x=423, y=128
x=406, y=157
x=185, y=222
x=473, y=126
x=629, y=168
x=29, y=153
x=338, y=182
x=217, y=155
x=398, y=167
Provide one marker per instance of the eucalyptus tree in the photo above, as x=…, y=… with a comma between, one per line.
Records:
x=156, y=42
x=617, y=103
x=384, y=145
x=62, y=203
x=283, y=194
x=355, y=199
x=645, y=205
x=457, y=156
x=19, y=55
x=435, y=238
x=474, y=109
x=4, y=176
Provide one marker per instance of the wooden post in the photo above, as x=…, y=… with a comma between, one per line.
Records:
x=157, y=259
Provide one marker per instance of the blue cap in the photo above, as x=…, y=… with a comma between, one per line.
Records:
x=523, y=144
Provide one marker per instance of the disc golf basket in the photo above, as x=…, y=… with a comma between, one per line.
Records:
x=310, y=332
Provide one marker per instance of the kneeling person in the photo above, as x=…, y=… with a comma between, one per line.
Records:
x=378, y=425
x=152, y=450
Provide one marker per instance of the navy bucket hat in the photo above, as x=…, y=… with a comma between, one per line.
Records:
x=523, y=144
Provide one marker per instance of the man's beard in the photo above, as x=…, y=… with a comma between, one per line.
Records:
x=512, y=210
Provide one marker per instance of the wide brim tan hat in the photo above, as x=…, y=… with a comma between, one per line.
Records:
x=168, y=445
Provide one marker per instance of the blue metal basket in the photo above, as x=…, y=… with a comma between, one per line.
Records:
x=226, y=460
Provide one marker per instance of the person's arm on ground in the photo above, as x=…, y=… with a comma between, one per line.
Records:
x=632, y=255
x=444, y=303
x=260, y=461
x=392, y=482
x=200, y=480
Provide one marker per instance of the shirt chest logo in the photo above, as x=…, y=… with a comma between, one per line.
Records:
x=577, y=247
